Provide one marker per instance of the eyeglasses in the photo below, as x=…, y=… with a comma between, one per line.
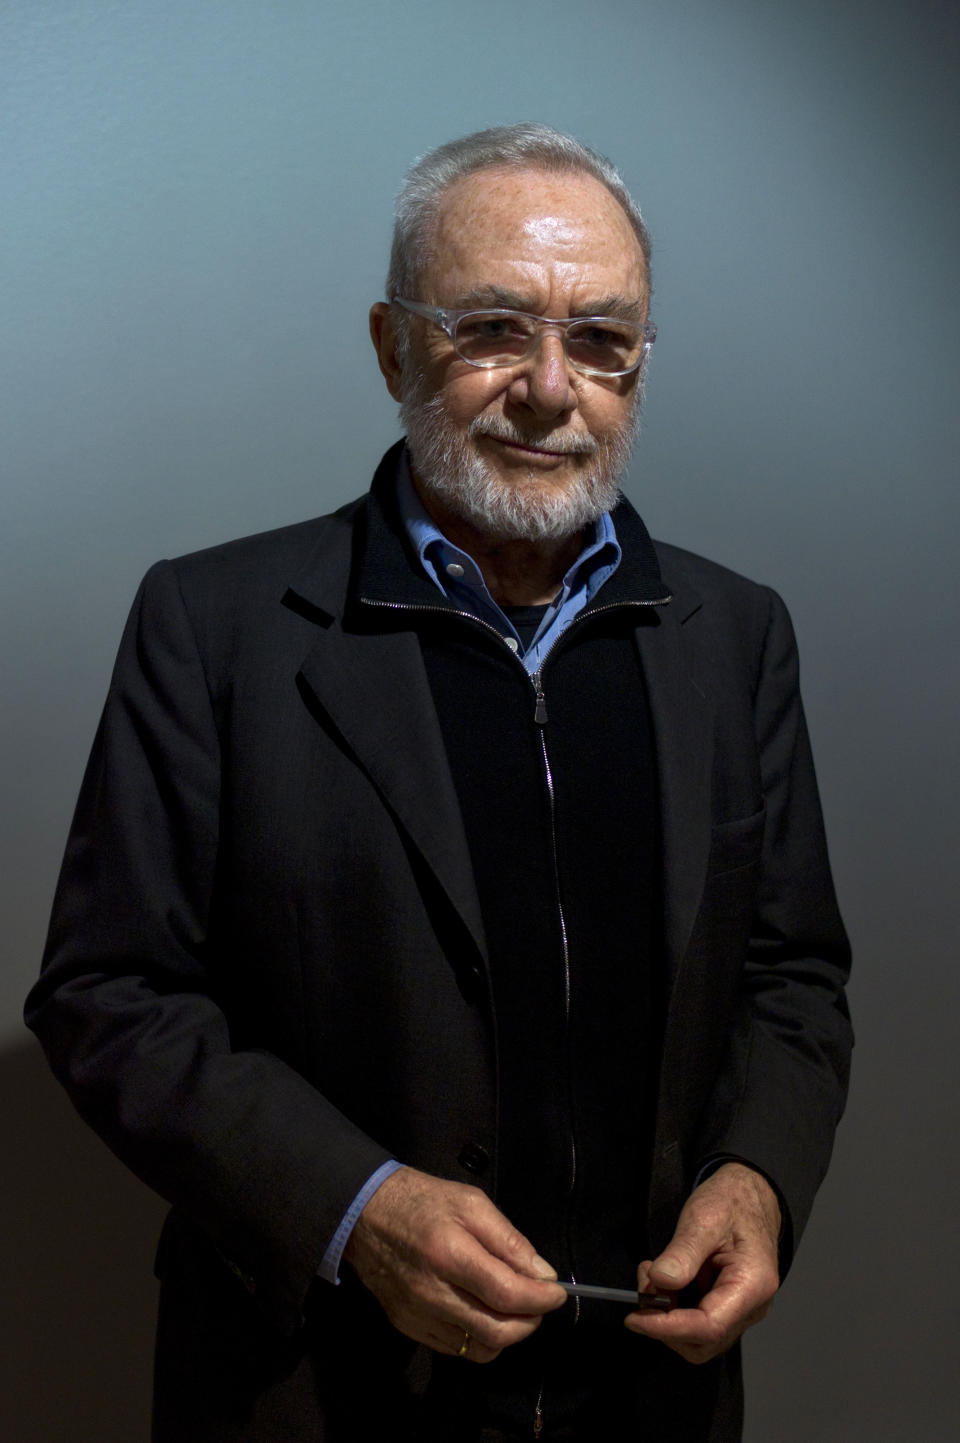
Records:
x=595, y=345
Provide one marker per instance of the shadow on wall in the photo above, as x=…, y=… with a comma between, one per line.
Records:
x=78, y=1295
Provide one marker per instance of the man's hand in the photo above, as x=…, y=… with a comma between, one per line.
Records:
x=726, y=1244
x=444, y=1262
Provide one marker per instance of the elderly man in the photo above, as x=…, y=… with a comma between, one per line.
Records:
x=447, y=915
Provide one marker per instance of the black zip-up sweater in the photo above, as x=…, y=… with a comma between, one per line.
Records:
x=561, y=819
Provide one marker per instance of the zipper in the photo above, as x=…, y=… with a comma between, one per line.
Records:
x=541, y=718
x=540, y=706
x=442, y=611
x=479, y=621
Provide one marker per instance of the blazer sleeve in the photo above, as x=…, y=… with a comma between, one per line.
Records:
x=781, y=1088
x=127, y=1005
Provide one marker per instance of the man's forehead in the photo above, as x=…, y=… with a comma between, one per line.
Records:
x=495, y=227
x=552, y=203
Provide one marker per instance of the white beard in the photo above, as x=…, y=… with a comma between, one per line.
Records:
x=528, y=509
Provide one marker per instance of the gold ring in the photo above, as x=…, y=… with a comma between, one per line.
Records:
x=462, y=1350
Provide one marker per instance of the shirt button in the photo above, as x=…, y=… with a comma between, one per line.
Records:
x=512, y=642
x=453, y=568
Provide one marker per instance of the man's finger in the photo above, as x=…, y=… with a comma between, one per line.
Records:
x=699, y=1334
x=675, y=1270
x=497, y=1284
x=695, y=1240
x=500, y=1238
x=732, y=1303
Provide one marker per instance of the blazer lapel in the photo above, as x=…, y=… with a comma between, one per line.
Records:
x=682, y=718
x=372, y=687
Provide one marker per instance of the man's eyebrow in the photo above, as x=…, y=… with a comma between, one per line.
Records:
x=494, y=296
x=614, y=305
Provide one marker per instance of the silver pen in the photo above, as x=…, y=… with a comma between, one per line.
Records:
x=661, y=1302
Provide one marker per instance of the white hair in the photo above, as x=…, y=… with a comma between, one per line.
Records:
x=527, y=146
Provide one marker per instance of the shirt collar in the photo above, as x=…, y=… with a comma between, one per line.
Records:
x=595, y=564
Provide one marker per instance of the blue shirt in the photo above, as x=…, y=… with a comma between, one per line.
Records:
x=458, y=577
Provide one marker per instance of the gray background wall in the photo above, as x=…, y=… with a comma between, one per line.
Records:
x=196, y=200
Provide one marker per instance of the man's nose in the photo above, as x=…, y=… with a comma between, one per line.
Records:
x=543, y=381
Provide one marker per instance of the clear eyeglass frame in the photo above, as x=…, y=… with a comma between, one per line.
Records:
x=450, y=321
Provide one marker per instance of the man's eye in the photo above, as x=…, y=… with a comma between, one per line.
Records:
x=491, y=329
x=487, y=337
x=598, y=336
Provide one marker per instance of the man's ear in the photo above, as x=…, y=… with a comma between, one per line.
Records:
x=383, y=334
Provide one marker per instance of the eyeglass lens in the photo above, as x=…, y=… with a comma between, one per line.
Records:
x=492, y=338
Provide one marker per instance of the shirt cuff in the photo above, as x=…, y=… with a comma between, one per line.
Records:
x=329, y=1268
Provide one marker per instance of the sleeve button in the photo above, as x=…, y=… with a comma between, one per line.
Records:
x=474, y=1158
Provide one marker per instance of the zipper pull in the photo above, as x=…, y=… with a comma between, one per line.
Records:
x=540, y=711
x=538, y=1416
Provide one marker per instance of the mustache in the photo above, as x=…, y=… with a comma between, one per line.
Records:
x=567, y=443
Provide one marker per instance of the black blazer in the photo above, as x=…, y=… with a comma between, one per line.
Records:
x=265, y=972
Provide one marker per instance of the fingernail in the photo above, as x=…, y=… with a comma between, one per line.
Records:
x=543, y=1269
x=669, y=1268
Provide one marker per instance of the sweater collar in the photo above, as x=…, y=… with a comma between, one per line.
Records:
x=388, y=571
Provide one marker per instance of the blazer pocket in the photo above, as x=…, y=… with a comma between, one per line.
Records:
x=736, y=844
